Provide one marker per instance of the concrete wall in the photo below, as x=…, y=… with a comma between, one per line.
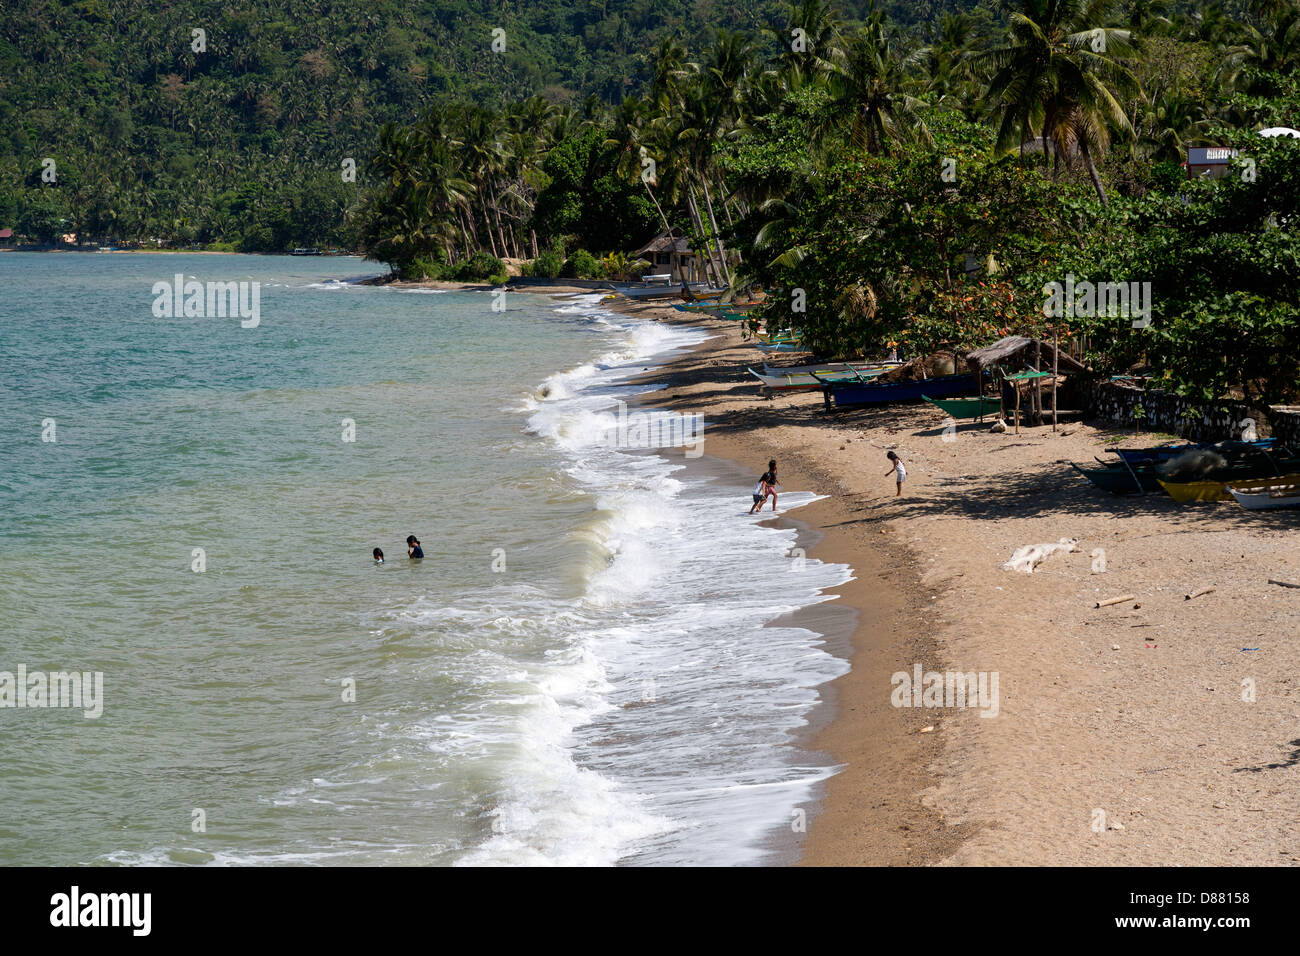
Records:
x=1114, y=402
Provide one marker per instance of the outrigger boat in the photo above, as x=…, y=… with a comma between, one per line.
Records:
x=714, y=304
x=699, y=290
x=1285, y=493
x=800, y=378
x=1186, y=492
x=782, y=345
x=973, y=407
x=1166, y=452
x=1246, y=466
x=840, y=394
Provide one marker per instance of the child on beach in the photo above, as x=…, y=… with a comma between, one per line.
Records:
x=760, y=494
x=771, y=482
x=898, y=470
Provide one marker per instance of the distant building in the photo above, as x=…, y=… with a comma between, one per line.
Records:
x=1209, y=162
x=669, y=252
x=6, y=237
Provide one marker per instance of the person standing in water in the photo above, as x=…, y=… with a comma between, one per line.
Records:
x=760, y=494
x=771, y=482
x=378, y=555
x=413, y=549
x=899, y=471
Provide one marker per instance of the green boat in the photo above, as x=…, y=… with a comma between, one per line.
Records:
x=973, y=407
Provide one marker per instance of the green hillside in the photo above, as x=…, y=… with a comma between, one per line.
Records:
x=241, y=138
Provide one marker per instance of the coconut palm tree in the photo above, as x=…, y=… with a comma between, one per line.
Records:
x=1056, y=75
x=868, y=81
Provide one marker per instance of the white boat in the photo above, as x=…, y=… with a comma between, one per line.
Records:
x=699, y=289
x=1267, y=497
x=800, y=378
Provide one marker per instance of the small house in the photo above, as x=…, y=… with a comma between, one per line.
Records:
x=670, y=252
x=1209, y=162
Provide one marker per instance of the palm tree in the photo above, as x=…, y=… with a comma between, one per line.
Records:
x=1271, y=46
x=805, y=54
x=1056, y=76
x=868, y=83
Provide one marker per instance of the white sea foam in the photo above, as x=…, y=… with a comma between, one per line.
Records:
x=662, y=733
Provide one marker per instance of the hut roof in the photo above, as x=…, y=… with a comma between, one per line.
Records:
x=1018, y=351
x=667, y=242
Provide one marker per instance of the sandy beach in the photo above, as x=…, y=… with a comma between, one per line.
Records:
x=1160, y=730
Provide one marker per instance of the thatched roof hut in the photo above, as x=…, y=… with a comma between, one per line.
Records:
x=1020, y=352
x=671, y=252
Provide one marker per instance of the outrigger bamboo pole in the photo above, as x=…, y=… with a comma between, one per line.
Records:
x=1056, y=368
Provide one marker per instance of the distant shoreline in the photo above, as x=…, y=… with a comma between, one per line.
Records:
x=181, y=252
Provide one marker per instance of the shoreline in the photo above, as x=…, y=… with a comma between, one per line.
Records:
x=1123, y=735
x=868, y=812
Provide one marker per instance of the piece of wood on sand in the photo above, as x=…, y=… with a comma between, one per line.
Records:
x=1197, y=593
x=1115, y=600
x=1285, y=584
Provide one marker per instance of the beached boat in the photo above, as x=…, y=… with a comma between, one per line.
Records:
x=845, y=394
x=801, y=378
x=972, y=407
x=1165, y=452
x=1245, y=465
x=1120, y=480
x=1186, y=492
x=699, y=290
x=1284, y=493
x=829, y=366
x=784, y=345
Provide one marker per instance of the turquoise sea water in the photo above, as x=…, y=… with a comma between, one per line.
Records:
x=578, y=671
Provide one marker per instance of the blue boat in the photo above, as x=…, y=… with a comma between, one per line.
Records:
x=1166, y=452
x=844, y=394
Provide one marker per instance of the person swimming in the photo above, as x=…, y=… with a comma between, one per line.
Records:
x=413, y=549
x=379, y=555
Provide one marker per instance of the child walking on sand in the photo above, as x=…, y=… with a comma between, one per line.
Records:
x=899, y=471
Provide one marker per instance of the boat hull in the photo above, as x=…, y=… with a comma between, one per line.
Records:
x=1186, y=492
x=1135, y=456
x=853, y=394
x=1284, y=493
x=804, y=381
x=972, y=407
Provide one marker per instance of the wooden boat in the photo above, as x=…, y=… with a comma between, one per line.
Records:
x=1284, y=493
x=1169, y=451
x=972, y=407
x=829, y=366
x=785, y=345
x=801, y=378
x=1245, y=465
x=844, y=394
x=699, y=290
x=1185, y=492
x=1119, y=480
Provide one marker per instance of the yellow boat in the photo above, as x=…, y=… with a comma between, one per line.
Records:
x=1185, y=492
